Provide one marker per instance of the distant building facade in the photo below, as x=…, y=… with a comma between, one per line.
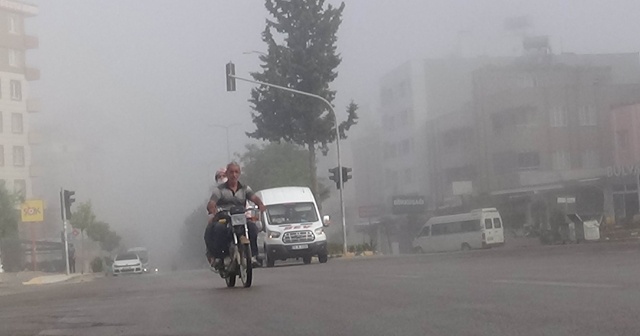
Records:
x=15, y=103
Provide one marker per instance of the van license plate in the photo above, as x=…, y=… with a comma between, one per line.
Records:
x=300, y=247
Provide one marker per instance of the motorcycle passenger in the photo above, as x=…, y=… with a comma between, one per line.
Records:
x=220, y=178
x=228, y=194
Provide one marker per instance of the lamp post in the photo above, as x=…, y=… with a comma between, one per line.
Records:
x=226, y=128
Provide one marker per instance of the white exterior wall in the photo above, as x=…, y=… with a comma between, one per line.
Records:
x=10, y=173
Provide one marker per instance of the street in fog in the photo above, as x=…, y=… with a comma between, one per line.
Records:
x=590, y=289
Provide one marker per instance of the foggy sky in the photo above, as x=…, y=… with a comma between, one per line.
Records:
x=141, y=80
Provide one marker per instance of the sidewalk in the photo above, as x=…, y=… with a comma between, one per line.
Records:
x=39, y=278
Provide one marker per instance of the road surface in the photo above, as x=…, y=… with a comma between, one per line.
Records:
x=553, y=290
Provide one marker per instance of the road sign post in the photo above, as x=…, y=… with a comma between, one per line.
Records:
x=32, y=212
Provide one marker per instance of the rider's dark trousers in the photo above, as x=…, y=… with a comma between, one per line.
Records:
x=216, y=238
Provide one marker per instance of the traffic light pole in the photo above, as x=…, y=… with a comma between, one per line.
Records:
x=335, y=117
x=64, y=231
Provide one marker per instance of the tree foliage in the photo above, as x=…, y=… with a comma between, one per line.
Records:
x=301, y=42
x=111, y=241
x=98, y=231
x=9, y=216
x=83, y=218
x=278, y=165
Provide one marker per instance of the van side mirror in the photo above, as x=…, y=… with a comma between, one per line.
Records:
x=326, y=220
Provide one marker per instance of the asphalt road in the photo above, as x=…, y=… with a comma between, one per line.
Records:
x=558, y=290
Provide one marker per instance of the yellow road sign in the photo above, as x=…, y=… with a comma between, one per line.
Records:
x=32, y=211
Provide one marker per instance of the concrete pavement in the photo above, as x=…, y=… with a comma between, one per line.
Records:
x=589, y=289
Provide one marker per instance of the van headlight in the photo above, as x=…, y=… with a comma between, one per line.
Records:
x=319, y=231
x=274, y=234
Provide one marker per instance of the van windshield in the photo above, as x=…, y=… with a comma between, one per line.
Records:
x=127, y=256
x=291, y=213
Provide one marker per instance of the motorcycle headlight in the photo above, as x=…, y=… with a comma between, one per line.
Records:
x=319, y=231
x=273, y=234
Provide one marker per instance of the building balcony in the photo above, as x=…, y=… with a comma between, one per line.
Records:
x=31, y=73
x=33, y=105
x=31, y=42
x=20, y=42
x=23, y=8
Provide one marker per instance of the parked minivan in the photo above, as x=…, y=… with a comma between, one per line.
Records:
x=477, y=229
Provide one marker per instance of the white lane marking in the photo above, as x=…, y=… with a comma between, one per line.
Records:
x=408, y=276
x=555, y=283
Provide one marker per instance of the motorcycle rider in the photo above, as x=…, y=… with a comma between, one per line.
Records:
x=227, y=194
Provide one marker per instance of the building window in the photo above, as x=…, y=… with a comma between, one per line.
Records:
x=13, y=25
x=560, y=160
x=18, y=156
x=588, y=116
x=558, y=116
x=404, y=117
x=1, y=156
x=20, y=188
x=405, y=146
x=386, y=97
x=391, y=123
x=17, y=123
x=408, y=176
x=623, y=139
x=590, y=159
x=528, y=160
x=13, y=58
x=393, y=150
x=16, y=89
x=525, y=81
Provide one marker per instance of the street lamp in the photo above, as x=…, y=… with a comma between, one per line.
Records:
x=226, y=128
x=231, y=77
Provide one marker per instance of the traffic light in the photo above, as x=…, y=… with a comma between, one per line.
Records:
x=231, y=81
x=345, y=174
x=68, y=200
x=334, y=176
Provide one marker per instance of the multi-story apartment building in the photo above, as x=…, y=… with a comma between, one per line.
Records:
x=537, y=129
x=15, y=104
x=411, y=95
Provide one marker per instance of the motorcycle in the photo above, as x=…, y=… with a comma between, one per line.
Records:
x=238, y=261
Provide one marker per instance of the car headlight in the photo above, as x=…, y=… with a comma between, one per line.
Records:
x=273, y=234
x=319, y=231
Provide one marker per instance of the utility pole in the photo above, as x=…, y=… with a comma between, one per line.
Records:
x=65, y=238
x=226, y=128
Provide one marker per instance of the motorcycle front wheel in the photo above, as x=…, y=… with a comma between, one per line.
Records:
x=231, y=280
x=246, y=266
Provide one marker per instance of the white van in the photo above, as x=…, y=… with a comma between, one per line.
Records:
x=480, y=228
x=292, y=226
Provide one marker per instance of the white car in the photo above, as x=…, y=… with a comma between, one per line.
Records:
x=127, y=263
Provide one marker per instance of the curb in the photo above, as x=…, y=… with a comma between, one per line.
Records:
x=51, y=279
